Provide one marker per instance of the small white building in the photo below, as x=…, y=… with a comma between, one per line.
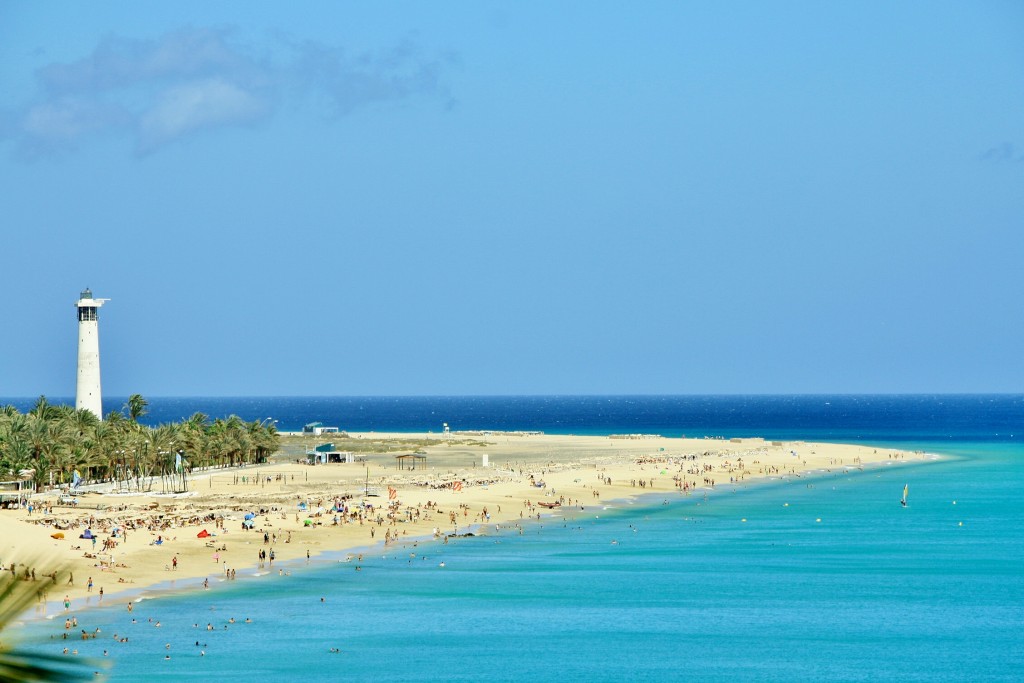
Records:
x=322, y=455
x=317, y=428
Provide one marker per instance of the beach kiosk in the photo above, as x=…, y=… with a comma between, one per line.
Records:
x=13, y=492
x=324, y=454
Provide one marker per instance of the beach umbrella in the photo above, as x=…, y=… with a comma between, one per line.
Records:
x=59, y=535
x=203, y=534
x=250, y=515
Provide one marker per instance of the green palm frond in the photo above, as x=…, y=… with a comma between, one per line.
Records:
x=18, y=665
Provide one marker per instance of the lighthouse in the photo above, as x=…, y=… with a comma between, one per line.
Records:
x=87, y=395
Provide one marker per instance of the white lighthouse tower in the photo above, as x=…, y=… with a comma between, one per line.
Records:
x=88, y=395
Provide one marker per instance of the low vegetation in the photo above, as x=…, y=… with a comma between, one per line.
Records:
x=371, y=445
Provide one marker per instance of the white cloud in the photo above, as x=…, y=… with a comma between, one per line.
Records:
x=189, y=107
x=121, y=62
x=69, y=118
x=158, y=91
x=348, y=83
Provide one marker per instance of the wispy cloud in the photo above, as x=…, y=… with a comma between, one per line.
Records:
x=186, y=107
x=155, y=92
x=1002, y=152
x=348, y=82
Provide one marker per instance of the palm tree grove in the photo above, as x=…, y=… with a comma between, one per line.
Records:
x=51, y=445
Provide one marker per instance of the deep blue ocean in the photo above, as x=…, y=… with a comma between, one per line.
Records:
x=847, y=418
x=688, y=591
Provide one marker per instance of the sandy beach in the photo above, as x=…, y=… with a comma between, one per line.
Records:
x=301, y=510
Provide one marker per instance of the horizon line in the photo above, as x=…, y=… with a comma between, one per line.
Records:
x=539, y=395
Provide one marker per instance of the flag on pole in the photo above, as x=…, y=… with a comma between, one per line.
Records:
x=392, y=493
x=457, y=486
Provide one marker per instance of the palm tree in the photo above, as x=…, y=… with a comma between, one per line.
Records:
x=194, y=435
x=218, y=443
x=56, y=449
x=161, y=443
x=83, y=422
x=15, y=453
x=137, y=448
x=38, y=437
x=43, y=409
x=264, y=440
x=111, y=441
x=136, y=406
x=241, y=443
x=17, y=457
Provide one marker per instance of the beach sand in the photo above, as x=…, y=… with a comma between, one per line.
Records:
x=524, y=470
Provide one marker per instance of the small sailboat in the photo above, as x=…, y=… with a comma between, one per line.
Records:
x=903, y=500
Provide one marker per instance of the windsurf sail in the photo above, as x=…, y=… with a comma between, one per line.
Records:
x=906, y=489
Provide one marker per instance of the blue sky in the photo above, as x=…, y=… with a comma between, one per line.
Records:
x=528, y=198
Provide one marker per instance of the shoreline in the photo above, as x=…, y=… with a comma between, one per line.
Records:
x=575, y=469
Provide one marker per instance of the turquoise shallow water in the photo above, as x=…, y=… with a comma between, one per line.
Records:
x=648, y=591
